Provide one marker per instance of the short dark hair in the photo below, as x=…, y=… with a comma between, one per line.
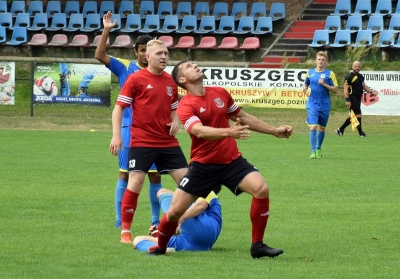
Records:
x=175, y=73
x=142, y=40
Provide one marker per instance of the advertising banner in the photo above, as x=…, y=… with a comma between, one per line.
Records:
x=7, y=83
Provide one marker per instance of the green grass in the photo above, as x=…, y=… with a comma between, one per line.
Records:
x=336, y=217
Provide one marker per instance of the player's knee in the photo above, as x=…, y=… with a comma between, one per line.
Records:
x=261, y=191
x=162, y=191
x=123, y=176
x=173, y=214
x=154, y=177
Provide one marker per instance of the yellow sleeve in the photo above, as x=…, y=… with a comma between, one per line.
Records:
x=210, y=196
x=333, y=78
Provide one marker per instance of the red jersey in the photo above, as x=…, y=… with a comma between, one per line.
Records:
x=213, y=110
x=152, y=97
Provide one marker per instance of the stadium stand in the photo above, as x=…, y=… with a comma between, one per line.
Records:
x=6, y=20
x=122, y=41
x=264, y=26
x=278, y=11
x=201, y=9
x=364, y=38
x=75, y=23
x=250, y=43
x=333, y=23
x=229, y=43
x=80, y=40
x=19, y=36
x=151, y=24
x=220, y=9
x=171, y=24
x=375, y=24
x=17, y=7
x=383, y=8
x=258, y=9
x=386, y=39
x=22, y=20
x=226, y=25
x=239, y=9
x=185, y=42
x=207, y=42
x=35, y=7
x=126, y=8
x=59, y=40
x=53, y=7
x=72, y=7
x=207, y=25
x=168, y=40
x=40, y=22
x=342, y=8
x=90, y=7
x=397, y=11
x=246, y=25
x=38, y=40
x=146, y=8
x=189, y=24
x=117, y=27
x=96, y=40
x=105, y=7
x=363, y=8
x=394, y=23
x=92, y=23
x=342, y=39
x=354, y=23
x=3, y=35
x=133, y=23
x=321, y=38
x=3, y=7
x=164, y=9
x=184, y=9
x=58, y=22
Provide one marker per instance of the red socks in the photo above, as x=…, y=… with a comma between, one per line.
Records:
x=128, y=208
x=166, y=230
x=259, y=213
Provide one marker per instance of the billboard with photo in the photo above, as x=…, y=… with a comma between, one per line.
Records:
x=7, y=83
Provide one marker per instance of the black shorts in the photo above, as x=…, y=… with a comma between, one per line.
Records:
x=355, y=105
x=201, y=179
x=166, y=159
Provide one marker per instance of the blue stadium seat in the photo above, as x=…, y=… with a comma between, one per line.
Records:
x=364, y=38
x=258, y=9
x=363, y=8
x=105, y=7
x=53, y=7
x=394, y=23
x=6, y=20
x=246, y=25
x=375, y=24
x=92, y=23
x=90, y=7
x=35, y=7
x=342, y=8
x=189, y=24
x=40, y=22
x=72, y=7
x=171, y=24
x=201, y=9
x=386, y=38
x=75, y=23
x=239, y=9
x=17, y=7
x=226, y=25
x=165, y=8
x=126, y=8
x=321, y=38
x=354, y=23
x=207, y=25
x=229, y=43
x=58, y=22
x=397, y=11
x=3, y=35
x=183, y=9
x=220, y=9
x=3, y=7
x=342, y=39
x=22, y=20
x=383, y=8
x=151, y=24
x=146, y=8
x=133, y=23
x=278, y=11
x=19, y=36
x=207, y=42
x=333, y=23
x=396, y=44
x=264, y=26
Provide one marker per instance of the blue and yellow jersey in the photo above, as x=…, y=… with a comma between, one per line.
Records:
x=319, y=96
x=122, y=68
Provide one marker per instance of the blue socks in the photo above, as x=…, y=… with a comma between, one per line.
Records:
x=313, y=140
x=154, y=203
x=119, y=193
x=321, y=136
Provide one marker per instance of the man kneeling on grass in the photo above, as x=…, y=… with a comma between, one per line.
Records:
x=198, y=228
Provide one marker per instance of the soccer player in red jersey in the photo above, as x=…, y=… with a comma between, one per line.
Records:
x=153, y=95
x=215, y=158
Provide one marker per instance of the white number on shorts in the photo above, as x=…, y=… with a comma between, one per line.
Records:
x=132, y=163
x=184, y=181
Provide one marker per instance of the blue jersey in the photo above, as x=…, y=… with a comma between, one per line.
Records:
x=122, y=68
x=319, y=98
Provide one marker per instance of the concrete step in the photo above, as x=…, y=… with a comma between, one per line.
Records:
x=304, y=28
x=279, y=59
x=290, y=46
x=326, y=2
x=294, y=41
x=314, y=17
x=321, y=6
x=288, y=52
x=306, y=23
x=299, y=35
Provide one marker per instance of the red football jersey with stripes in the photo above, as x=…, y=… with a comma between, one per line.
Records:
x=213, y=110
x=152, y=97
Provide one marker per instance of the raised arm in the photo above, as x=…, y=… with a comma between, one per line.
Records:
x=100, y=53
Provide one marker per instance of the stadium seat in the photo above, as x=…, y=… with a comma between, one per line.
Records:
x=126, y=8
x=333, y=23
x=17, y=7
x=22, y=20
x=342, y=8
x=278, y=11
x=397, y=11
x=92, y=23
x=89, y=7
x=40, y=22
x=396, y=44
x=321, y=38
x=363, y=8
x=386, y=38
x=220, y=9
x=354, y=23
x=38, y=40
x=239, y=9
x=58, y=22
x=165, y=8
x=19, y=36
x=226, y=25
x=184, y=9
x=59, y=40
x=80, y=40
x=53, y=7
x=171, y=24
x=364, y=38
x=250, y=43
x=146, y=8
x=264, y=26
x=246, y=25
x=258, y=9
x=35, y=7
x=207, y=42
x=375, y=24
x=229, y=43
x=72, y=7
x=3, y=7
x=97, y=40
x=383, y=8
x=189, y=24
x=201, y=9
x=105, y=7
x=3, y=35
x=75, y=23
x=151, y=24
x=207, y=25
x=117, y=18
x=394, y=23
x=342, y=39
x=6, y=20
x=168, y=41
x=185, y=42
x=133, y=23
x=122, y=41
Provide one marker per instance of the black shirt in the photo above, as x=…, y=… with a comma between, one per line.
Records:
x=355, y=81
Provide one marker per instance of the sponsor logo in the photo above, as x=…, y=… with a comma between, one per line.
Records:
x=169, y=91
